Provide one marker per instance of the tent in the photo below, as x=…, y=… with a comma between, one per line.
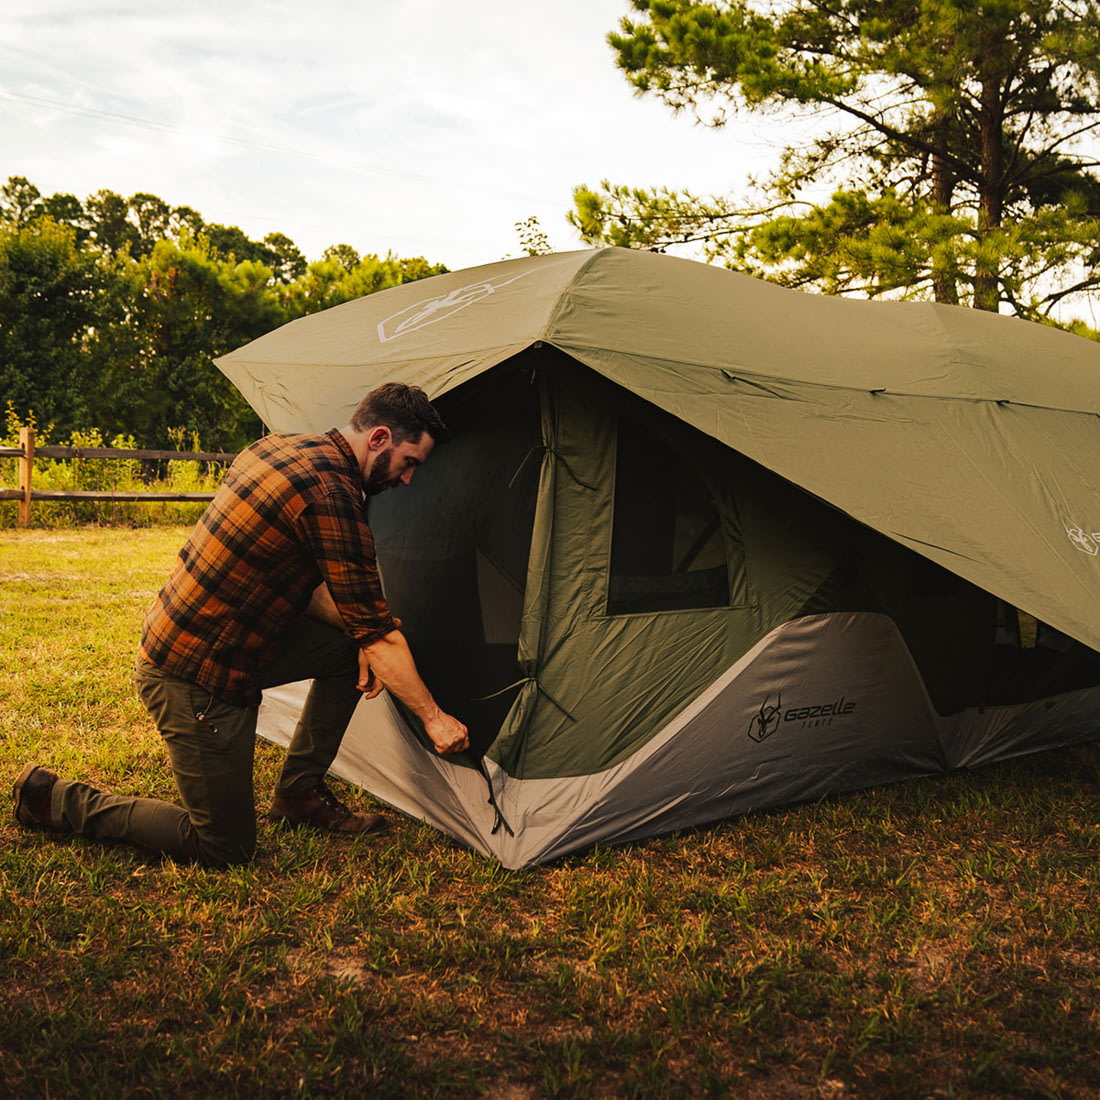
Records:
x=703, y=545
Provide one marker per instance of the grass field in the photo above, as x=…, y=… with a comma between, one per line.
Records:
x=939, y=938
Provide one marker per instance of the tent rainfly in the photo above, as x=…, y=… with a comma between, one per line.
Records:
x=702, y=545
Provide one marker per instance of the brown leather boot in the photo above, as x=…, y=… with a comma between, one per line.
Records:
x=32, y=792
x=321, y=809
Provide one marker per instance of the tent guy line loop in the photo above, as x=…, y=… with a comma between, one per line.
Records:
x=523, y=683
x=755, y=385
x=540, y=451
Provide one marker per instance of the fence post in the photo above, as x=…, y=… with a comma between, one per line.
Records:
x=26, y=472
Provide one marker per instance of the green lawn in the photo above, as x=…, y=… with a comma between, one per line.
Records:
x=935, y=939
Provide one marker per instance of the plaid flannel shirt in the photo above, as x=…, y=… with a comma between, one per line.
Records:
x=289, y=514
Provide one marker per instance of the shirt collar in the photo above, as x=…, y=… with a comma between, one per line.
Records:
x=344, y=447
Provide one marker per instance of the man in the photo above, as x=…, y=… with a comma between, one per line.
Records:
x=277, y=583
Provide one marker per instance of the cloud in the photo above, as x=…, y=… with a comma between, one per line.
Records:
x=424, y=127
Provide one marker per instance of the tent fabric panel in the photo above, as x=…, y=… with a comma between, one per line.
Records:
x=663, y=307
x=825, y=704
x=436, y=333
x=749, y=742
x=471, y=310
x=314, y=397
x=604, y=683
x=986, y=735
x=1000, y=494
x=381, y=755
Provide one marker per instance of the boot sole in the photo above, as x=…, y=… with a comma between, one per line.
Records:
x=377, y=823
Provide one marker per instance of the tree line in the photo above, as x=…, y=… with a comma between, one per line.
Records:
x=952, y=155
x=112, y=310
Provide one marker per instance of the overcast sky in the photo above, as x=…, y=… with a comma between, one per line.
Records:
x=425, y=127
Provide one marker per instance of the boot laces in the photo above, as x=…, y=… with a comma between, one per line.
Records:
x=331, y=801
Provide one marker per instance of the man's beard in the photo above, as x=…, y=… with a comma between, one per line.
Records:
x=380, y=478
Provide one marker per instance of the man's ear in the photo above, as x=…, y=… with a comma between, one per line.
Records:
x=379, y=438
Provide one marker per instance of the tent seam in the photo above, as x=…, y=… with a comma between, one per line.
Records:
x=574, y=349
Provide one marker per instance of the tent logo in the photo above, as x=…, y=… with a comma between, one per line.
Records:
x=769, y=718
x=766, y=721
x=425, y=313
x=820, y=714
x=1084, y=541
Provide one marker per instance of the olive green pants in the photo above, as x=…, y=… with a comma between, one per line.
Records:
x=211, y=746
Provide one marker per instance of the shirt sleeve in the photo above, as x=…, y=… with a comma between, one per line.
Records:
x=335, y=531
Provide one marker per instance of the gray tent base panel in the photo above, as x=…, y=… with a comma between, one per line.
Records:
x=821, y=705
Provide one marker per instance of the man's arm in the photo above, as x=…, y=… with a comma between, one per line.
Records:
x=389, y=661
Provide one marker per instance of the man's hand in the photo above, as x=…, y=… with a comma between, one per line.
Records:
x=448, y=734
x=368, y=683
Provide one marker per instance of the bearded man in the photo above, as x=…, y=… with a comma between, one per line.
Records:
x=277, y=583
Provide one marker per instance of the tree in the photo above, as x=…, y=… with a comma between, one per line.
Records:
x=286, y=261
x=343, y=254
x=112, y=311
x=109, y=213
x=532, y=237
x=48, y=294
x=19, y=201
x=193, y=306
x=954, y=150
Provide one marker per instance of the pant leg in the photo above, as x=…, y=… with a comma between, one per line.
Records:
x=212, y=761
x=146, y=822
x=328, y=657
x=212, y=765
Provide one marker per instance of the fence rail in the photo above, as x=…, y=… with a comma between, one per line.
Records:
x=26, y=453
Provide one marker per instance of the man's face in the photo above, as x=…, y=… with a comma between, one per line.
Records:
x=396, y=463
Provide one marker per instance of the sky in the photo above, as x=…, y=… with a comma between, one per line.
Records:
x=422, y=127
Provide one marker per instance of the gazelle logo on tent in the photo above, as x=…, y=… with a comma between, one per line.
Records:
x=769, y=718
x=1085, y=541
x=819, y=714
x=766, y=720
x=427, y=312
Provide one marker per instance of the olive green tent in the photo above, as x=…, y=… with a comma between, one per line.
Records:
x=702, y=544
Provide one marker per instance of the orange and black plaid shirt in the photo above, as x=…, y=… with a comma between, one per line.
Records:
x=289, y=514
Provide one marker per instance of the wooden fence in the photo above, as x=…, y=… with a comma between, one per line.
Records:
x=26, y=453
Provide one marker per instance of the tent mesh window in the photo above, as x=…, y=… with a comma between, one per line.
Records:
x=667, y=550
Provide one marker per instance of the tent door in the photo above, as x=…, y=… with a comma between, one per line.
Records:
x=453, y=548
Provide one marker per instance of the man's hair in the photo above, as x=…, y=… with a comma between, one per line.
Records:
x=405, y=410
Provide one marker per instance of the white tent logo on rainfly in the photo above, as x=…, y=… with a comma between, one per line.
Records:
x=1083, y=540
x=421, y=314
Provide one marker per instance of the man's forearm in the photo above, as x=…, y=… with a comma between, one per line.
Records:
x=390, y=661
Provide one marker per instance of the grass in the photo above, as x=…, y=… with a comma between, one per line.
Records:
x=939, y=938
